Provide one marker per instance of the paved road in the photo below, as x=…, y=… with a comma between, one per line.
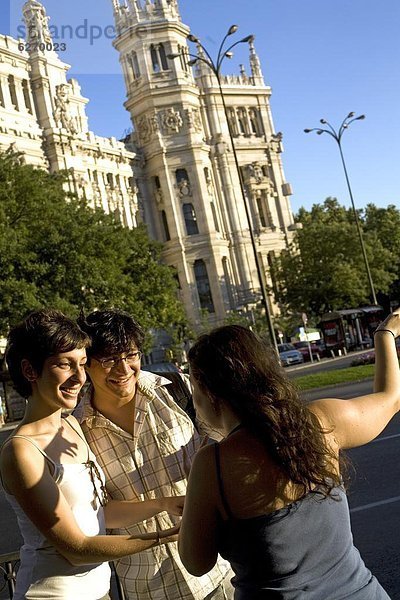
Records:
x=326, y=364
x=374, y=498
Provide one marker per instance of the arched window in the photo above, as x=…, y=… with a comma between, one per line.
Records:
x=189, y=215
x=155, y=59
x=263, y=211
x=13, y=92
x=242, y=120
x=134, y=64
x=163, y=57
x=164, y=221
x=254, y=121
x=203, y=286
x=158, y=58
x=181, y=175
x=232, y=121
x=110, y=180
x=27, y=97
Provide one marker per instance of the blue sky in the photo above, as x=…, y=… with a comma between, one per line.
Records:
x=322, y=58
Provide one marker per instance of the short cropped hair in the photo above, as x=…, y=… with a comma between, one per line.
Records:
x=43, y=333
x=111, y=332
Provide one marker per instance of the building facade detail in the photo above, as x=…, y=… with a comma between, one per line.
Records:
x=43, y=116
x=176, y=170
x=197, y=209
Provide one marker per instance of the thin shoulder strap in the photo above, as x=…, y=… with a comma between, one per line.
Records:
x=221, y=483
x=28, y=439
x=79, y=434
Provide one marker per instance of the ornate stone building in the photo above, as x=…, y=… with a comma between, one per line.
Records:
x=194, y=203
x=42, y=115
x=179, y=160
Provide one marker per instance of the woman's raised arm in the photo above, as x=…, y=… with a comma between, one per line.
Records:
x=359, y=420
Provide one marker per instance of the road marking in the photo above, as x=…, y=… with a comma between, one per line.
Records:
x=373, y=504
x=386, y=437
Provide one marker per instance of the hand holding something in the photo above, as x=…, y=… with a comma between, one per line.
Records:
x=163, y=536
x=173, y=505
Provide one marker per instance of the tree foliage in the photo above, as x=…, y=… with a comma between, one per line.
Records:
x=56, y=251
x=324, y=268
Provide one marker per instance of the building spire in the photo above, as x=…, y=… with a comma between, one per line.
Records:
x=36, y=23
x=255, y=64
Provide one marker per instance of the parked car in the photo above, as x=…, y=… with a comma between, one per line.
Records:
x=288, y=355
x=318, y=350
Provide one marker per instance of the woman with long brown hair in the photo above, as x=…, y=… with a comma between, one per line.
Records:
x=269, y=497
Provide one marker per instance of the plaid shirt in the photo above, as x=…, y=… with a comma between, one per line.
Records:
x=150, y=464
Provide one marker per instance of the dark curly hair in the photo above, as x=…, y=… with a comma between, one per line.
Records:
x=111, y=332
x=43, y=333
x=236, y=367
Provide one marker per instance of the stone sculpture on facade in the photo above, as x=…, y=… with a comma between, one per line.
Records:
x=62, y=115
x=37, y=23
x=184, y=188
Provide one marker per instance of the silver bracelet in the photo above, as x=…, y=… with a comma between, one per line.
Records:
x=382, y=329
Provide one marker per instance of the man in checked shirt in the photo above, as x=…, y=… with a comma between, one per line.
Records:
x=144, y=443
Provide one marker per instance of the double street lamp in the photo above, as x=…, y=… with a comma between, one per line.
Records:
x=337, y=136
x=215, y=67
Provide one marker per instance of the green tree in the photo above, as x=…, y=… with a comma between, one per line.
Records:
x=386, y=223
x=324, y=269
x=56, y=251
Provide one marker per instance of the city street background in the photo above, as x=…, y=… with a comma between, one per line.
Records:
x=374, y=494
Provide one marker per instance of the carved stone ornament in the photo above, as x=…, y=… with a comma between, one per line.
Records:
x=184, y=189
x=209, y=182
x=37, y=22
x=256, y=172
x=172, y=120
x=275, y=143
x=144, y=129
x=159, y=195
x=193, y=119
x=62, y=115
x=146, y=126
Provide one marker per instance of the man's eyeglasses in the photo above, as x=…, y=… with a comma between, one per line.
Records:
x=131, y=359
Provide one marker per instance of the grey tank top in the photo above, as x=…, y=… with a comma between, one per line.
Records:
x=302, y=551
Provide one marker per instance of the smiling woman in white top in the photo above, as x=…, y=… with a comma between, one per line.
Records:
x=51, y=477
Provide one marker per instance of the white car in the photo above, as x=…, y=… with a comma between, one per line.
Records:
x=288, y=355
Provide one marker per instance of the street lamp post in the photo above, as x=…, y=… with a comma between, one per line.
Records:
x=215, y=67
x=337, y=136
